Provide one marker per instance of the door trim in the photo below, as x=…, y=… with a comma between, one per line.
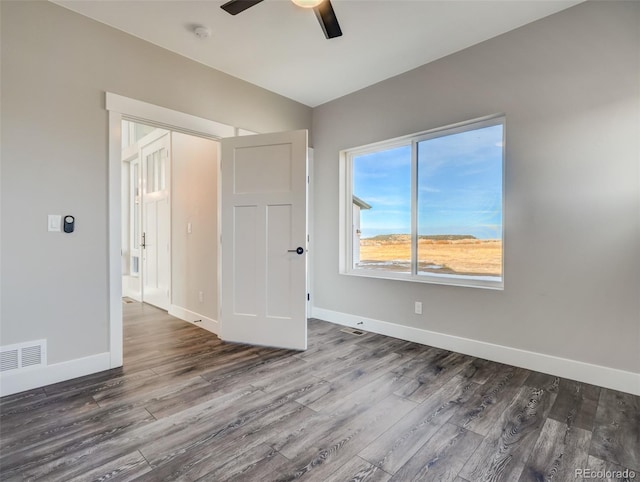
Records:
x=120, y=107
x=155, y=115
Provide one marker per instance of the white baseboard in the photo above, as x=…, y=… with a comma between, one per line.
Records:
x=602, y=376
x=193, y=317
x=11, y=383
x=129, y=291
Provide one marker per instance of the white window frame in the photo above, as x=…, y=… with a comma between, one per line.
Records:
x=346, y=211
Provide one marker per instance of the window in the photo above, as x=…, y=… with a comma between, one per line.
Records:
x=427, y=207
x=135, y=208
x=156, y=171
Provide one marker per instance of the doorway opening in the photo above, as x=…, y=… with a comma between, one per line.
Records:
x=179, y=123
x=169, y=221
x=119, y=108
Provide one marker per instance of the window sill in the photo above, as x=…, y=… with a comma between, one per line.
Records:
x=484, y=282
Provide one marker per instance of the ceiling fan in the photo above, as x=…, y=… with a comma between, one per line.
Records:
x=323, y=9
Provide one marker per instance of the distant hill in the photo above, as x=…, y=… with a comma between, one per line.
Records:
x=433, y=237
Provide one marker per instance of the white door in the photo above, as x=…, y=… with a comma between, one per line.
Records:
x=264, y=240
x=156, y=228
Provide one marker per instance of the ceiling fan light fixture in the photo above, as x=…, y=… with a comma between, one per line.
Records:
x=307, y=3
x=322, y=8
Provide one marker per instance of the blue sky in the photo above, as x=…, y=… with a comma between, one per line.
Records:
x=459, y=179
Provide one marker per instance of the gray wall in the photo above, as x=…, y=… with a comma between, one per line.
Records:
x=569, y=86
x=56, y=66
x=194, y=199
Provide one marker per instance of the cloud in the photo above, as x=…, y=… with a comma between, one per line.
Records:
x=473, y=172
x=428, y=189
x=464, y=149
x=389, y=201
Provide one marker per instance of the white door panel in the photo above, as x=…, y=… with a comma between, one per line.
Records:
x=264, y=221
x=281, y=264
x=156, y=215
x=245, y=267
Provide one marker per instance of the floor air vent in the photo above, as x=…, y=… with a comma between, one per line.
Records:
x=353, y=331
x=23, y=355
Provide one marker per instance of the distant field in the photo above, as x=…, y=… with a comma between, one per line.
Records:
x=451, y=254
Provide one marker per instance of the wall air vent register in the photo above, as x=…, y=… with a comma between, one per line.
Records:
x=22, y=356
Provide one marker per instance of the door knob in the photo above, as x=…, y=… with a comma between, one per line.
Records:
x=298, y=250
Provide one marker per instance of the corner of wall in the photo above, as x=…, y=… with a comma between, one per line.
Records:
x=195, y=318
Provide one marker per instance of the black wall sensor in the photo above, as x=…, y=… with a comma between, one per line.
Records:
x=69, y=222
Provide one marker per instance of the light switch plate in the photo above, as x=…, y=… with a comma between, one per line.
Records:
x=54, y=222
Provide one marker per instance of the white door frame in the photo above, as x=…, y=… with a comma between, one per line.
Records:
x=120, y=107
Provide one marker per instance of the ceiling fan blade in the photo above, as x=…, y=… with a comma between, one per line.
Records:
x=234, y=7
x=328, y=20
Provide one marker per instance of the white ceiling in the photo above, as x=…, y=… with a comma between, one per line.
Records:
x=281, y=47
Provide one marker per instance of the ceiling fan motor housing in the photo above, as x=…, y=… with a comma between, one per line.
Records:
x=322, y=8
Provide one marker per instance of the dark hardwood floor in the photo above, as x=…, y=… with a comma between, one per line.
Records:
x=187, y=406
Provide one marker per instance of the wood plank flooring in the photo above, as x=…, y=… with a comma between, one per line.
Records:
x=187, y=406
